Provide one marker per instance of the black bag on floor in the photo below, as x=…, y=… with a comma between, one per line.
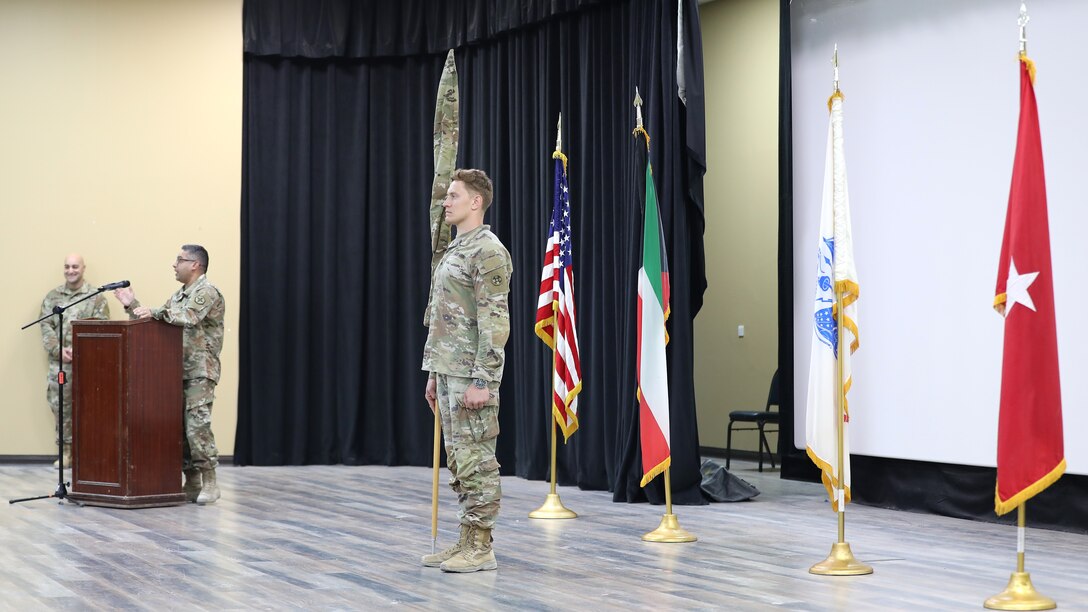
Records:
x=721, y=486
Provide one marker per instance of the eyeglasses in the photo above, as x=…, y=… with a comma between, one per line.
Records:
x=181, y=259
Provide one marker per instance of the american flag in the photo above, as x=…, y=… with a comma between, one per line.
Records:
x=555, y=319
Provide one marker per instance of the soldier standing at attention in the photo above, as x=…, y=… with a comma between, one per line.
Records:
x=59, y=345
x=198, y=307
x=469, y=322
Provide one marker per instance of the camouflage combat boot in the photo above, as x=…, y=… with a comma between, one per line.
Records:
x=192, y=485
x=477, y=554
x=436, y=559
x=209, y=490
x=67, y=458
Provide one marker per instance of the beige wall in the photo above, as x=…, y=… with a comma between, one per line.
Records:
x=121, y=141
x=740, y=57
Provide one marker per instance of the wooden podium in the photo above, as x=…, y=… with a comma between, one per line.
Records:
x=127, y=421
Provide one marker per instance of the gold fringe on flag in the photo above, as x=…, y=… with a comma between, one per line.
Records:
x=559, y=155
x=1030, y=64
x=837, y=94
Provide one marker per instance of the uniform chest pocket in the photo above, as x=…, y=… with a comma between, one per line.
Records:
x=454, y=270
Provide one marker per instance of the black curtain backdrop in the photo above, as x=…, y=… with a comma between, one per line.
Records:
x=795, y=463
x=338, y=110
x=372, y=28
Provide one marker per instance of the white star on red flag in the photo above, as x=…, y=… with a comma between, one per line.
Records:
x=1016, y=288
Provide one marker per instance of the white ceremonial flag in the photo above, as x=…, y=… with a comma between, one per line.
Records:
x=835, y=270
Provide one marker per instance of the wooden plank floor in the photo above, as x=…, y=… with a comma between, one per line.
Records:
x=349, y=538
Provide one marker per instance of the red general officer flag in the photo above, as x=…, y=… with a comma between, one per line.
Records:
x=1030, y=450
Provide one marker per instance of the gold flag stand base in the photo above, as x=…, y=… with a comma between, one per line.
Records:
x=840, y=562
x=553, y=508
x=1020, y=595
x=669, y=532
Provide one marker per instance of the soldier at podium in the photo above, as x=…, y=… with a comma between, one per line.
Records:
x=58, y=343
x=198, y=307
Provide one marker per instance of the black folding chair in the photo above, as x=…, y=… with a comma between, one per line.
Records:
x=760, y=419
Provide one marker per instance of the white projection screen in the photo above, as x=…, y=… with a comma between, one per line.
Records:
x=931, y=109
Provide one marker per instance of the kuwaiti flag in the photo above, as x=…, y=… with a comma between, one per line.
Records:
x=1030, y=450
x=835, y=271
x=653, y=310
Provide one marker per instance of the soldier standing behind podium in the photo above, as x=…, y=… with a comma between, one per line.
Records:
x=59, y=346
x=469, y=322
x=198, y=307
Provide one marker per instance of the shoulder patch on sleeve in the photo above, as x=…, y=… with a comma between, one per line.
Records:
x=208, y=295
x=495, y=273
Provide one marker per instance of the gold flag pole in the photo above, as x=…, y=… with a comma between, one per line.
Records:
x=1020, y=593
x=434, y=479
x=841, y=561
x=446, y=132
x=669, y=531
x=553, y=507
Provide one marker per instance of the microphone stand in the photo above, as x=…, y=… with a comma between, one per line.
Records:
x=58, y=311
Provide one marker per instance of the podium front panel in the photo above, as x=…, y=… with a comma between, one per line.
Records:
x=96, y=431
x=127, y=413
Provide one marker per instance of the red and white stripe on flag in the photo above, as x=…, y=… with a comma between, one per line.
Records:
x=556, y=321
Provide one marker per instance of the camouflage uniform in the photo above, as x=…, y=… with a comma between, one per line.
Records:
x=198, y=308
x=96, y=308
x=445, y=157
x=469, y=324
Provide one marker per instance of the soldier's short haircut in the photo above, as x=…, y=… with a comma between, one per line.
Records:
x=199, y=253
x=475, y=181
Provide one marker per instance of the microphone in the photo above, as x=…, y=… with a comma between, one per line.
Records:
x=117, y=285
